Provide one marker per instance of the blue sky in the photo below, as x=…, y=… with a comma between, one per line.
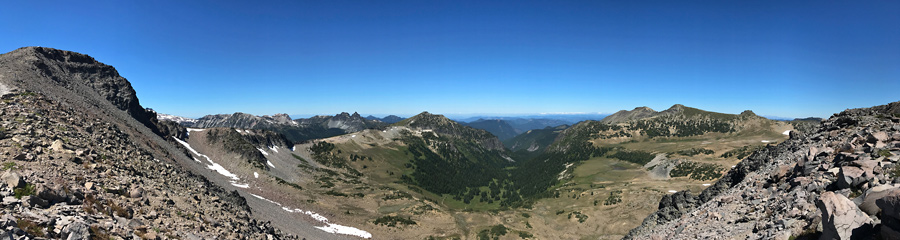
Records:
x=192, y=58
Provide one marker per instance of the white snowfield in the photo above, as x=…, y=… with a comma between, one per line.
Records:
x=213, y=165
x=672, y=191
x=329, y=227
x=788, y=132
x=262, y=151
x=765, y=141
x=274, y=148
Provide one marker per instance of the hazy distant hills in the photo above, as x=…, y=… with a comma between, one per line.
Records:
x=499, y=128
x=389, y=119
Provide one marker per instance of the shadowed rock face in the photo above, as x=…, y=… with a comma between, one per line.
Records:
x=71, y=76
x=77, y=136
x=791, y=188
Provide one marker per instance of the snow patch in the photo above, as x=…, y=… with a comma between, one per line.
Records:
x=195, y=129
x=329, y=227
x=293, y=148
x=274, y=148
x=270, y=163
x=672, y=191
x=787, y=133
x=262, y=151
x=212, y=165
x=706, y=184
x=255, y=175
x=765, y=141
x=246, y=185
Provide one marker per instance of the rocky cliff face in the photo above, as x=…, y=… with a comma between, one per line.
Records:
x=85, y=160
x=70, y=175
x=838, y=182
x=73, y=77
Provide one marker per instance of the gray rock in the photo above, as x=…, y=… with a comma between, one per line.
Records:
x=841, y=218
x=873, y=194
x=33, y=201
x=849, y=176
x=76, y=231
x=10, y=200
x=12, y=179
x=136, y=192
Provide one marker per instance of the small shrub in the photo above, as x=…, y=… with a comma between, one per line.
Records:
x=393, y=221
x=12, y=165
x=614, y=198
x=28, y=190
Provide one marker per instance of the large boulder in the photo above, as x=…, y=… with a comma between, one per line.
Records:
x=890, y=214
x=12, y=179
x=841, y=219
x=867, y=203
x=850, y=176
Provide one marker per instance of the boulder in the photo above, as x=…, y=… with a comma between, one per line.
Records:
x=850, y=176
x=867, y=204
x=34, y=201
x=136, y=192
x=12, y=179
x=52, y=194
x=890, y=214
x=841, y=219
x=877, y=137
x=76, y=230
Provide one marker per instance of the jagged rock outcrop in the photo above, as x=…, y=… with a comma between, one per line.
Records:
x=74, y=78
x=773, y=194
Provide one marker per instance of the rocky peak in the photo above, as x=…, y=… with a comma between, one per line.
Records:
x=624, y=116
x=748, y=113
x=71, y=76
x=839, y=180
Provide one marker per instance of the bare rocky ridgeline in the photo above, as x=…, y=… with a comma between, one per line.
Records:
x=67, y=175
x=841, y=181
x=81, y=158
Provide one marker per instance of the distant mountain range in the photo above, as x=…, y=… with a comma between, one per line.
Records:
x=387, y=119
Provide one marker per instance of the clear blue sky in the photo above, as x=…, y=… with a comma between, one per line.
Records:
x=191, y=58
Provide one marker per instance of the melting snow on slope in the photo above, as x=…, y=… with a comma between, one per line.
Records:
x=274, y=148
x=255, y=175
x=262, y=151
x=189, y=130
x=706, y=184
x=672, y=191
x=329, y=227
x=270, y=163
x=788, y=132
x=765, y=141
x=213, y=165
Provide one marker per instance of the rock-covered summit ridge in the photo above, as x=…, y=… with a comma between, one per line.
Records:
x=836, y=182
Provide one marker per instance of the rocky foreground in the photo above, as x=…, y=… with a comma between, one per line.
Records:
x=70, y=176
x=841, y=181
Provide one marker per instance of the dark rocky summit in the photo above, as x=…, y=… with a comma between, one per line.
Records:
x=82, y=159
x=837, y=182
